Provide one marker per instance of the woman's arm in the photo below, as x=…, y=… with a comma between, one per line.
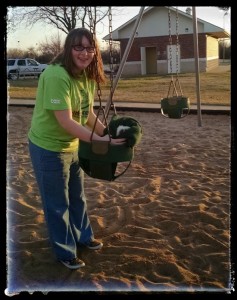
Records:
x=64, y=118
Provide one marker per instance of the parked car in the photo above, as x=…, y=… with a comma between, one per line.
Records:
x=17, y=67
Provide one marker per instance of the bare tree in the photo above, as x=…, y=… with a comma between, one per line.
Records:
x=51, y=46
x=64, y=18
x=15, y=53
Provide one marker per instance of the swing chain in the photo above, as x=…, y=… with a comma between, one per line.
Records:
x=177, y=51
x=92, y=29
x=90, y=20
x=170, y=41
x=173, y=106
x=177, y=41
x=172, y=83
x=111, y=61
x=99, y=92
x=170, y=56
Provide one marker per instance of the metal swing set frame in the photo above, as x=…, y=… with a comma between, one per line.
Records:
x=99, y=159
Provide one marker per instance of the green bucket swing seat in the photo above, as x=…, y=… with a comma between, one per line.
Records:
x=100, y=159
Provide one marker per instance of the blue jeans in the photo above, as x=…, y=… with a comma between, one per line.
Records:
x=61, y=184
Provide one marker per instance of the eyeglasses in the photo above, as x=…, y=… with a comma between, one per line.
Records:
x=80, y=48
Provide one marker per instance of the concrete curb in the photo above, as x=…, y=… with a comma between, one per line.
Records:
x=137, y=106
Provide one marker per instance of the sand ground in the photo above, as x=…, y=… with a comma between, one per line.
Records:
x=165, y=223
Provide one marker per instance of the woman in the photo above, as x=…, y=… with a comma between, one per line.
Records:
x=63, y=115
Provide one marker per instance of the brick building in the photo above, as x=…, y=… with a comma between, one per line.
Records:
x=155, y=49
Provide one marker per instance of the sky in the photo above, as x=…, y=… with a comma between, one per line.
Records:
x=24, y=38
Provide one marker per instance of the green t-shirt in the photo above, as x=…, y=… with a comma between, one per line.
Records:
x=57, y=90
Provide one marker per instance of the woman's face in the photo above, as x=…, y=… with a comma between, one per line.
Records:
x=81, y=56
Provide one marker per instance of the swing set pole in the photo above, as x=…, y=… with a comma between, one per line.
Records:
x=128, y=47
x=196, y=53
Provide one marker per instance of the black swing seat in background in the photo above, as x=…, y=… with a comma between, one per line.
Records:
x=175, y=107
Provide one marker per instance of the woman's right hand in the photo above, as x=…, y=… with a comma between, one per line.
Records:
x=119, y=141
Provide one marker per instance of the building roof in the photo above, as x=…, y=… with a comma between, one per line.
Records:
x=203, y=26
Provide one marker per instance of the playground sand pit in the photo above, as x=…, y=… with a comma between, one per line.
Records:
x=165, y=223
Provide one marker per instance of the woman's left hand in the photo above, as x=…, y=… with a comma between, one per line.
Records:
x=119, y=141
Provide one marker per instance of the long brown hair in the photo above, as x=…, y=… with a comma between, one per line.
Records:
x=95, y=70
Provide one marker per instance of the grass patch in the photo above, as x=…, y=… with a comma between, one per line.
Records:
x=214, y=88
